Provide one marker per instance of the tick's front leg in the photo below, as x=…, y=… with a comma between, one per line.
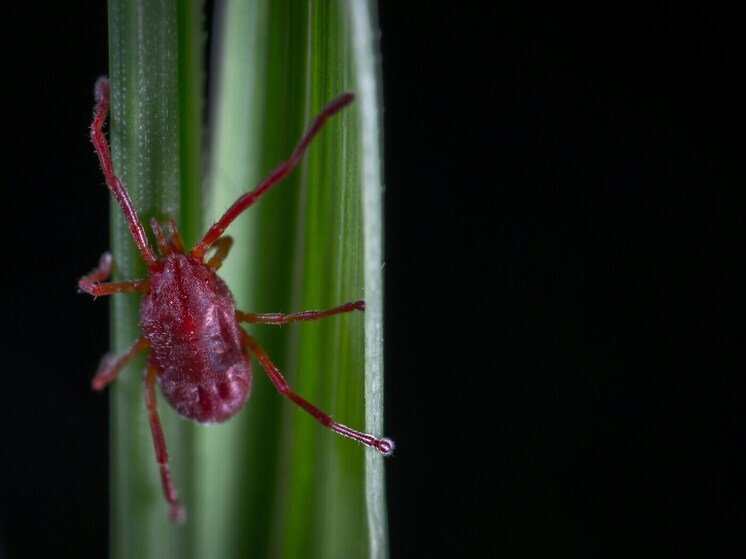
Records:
x=113, y=182
x=91, y=283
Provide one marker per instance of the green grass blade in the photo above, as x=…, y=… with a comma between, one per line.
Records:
x=155, y=126
x=289, y=487
x=270, y=482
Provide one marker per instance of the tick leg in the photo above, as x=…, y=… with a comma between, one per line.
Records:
x=101, y=289
x=110, y=366
x=278, y=318
x=223, y=246
x=159, y=442
x=103, y=270
x=273, y=178
x=100, y=111
x=91, y=283
x=383, y=445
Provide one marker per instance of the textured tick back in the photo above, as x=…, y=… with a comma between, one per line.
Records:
x=188, y=318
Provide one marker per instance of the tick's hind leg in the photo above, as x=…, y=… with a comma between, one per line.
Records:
x=383, y=445
x=159, y=442
x=91, y=283
x=278, y=318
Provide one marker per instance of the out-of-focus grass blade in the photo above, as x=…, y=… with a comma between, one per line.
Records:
x=273, y=482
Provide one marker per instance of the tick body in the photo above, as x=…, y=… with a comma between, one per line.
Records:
x=198, y=353
x=189, y=321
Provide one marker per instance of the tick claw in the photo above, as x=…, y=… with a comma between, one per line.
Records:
x=385, y=446
x=178, y=514
x=104, y=374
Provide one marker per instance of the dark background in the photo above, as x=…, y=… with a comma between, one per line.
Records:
x=563, y=370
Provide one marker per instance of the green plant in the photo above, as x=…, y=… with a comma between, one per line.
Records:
x=270, y=482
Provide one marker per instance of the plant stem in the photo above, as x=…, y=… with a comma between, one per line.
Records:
x=271, y=481
x=154, y=126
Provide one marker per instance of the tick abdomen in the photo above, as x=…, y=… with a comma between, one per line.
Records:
x=188, y=318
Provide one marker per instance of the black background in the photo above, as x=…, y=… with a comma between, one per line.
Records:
x=563, y=370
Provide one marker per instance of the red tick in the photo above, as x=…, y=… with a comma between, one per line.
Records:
x=198, y=353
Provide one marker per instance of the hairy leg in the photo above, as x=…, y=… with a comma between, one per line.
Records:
x=383, y=445
x=159, y=442
x=111, y=366
x=91, y=283
x=278, y=318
